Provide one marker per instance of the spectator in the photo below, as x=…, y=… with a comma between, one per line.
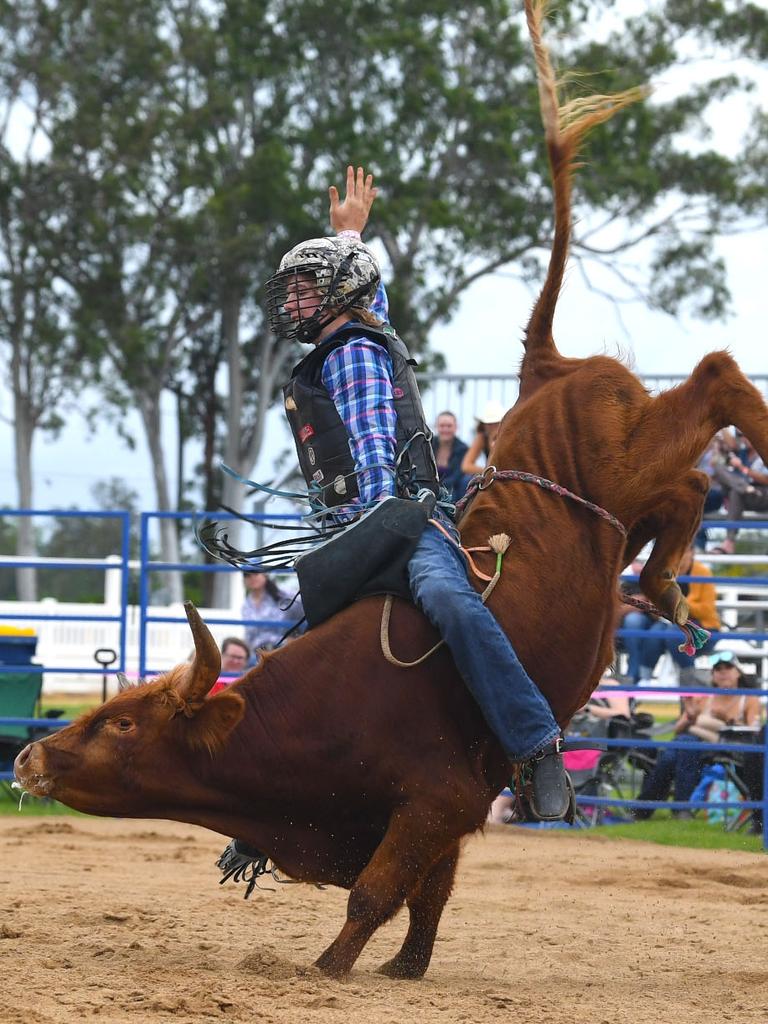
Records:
x=713, y=502
x=235, y=656
x=449, y=452
x=487, y=428
x=744, y=481
x=644, y=653
x=605, y=704
x=702, y=719
x=632, y=618
x=264, y=601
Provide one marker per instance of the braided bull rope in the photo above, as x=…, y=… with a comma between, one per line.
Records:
x=695, y=634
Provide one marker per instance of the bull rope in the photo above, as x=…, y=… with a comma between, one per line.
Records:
x=695, y=634
x=490, y=473
x=498, y=543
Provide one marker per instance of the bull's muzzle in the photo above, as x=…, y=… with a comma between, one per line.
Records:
x=29, y=769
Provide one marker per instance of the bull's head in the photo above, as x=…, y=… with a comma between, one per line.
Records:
x=134, y=754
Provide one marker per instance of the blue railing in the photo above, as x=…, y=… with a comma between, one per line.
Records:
x=77, y=564
x=147, y=567
x=751, y=636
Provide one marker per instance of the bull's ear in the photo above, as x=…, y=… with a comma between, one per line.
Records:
x=204, y=670
x=214, y=721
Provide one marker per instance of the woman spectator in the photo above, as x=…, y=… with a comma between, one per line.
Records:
x=235, y=656
x=449, y=452
x=487, y=428
x=702, y=719
x=266, y=603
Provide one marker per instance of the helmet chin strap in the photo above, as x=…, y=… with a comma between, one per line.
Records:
x=309, y=330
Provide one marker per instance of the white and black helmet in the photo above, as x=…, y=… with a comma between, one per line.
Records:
x=343, y=271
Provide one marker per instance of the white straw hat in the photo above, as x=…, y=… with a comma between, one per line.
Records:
x=492, y=412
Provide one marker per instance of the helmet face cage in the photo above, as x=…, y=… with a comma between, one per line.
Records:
x=318, y=281
x=299, y=289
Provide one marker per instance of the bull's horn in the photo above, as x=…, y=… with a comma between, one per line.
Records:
x=123, y=682
x=206, y=665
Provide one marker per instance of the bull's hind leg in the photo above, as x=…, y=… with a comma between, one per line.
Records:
x=425, y=904
x=673, y=523
x=416, y=838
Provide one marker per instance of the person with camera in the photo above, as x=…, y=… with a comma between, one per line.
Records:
x=743, y=478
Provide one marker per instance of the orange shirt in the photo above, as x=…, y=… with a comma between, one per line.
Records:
x=701, y=598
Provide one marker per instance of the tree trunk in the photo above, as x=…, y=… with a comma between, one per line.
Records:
x=232, y=491
x=242, y=449
x=26, y=579
x=149, y=406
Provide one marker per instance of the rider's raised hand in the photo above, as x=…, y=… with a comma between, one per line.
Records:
x=351, y=214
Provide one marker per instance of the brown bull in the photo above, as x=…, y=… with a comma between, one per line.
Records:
x=347, y=771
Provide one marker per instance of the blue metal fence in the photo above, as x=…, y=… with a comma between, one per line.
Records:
x=77, y=564
x=147, y=567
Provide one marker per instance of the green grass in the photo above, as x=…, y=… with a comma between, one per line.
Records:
x=668, y=831
x=72, y=705
x=32, y=807
x=663, y=830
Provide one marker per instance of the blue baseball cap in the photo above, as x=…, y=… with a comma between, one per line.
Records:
x=724, y=658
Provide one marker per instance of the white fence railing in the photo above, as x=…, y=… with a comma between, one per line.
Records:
x=68, y=645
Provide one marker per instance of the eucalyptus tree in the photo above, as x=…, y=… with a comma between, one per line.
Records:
x=193, y=142
x=40, y=367
x=113, y=76
x=441, y=102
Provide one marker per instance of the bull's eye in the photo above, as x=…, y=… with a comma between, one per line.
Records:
x=124, y=724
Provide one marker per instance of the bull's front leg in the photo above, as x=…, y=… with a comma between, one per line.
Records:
x=674, y=523
x=404, y=857
x=425, y=905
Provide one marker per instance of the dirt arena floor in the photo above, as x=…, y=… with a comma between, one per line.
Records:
x=125, y=921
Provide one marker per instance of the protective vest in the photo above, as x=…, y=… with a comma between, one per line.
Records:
x=322, y=439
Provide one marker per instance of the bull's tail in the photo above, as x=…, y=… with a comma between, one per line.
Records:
x=565, y=126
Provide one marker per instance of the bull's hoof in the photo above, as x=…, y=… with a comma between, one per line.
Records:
x=402, y=969
x=674, y=605
x=331, y=968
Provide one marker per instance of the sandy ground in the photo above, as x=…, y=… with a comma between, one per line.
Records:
x=124, y=921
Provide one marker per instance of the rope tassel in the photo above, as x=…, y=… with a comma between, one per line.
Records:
x=499, y=543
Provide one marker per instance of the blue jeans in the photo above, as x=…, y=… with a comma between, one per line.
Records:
x=512, y=705
x=633, y=645
x=653, y=648
x=679, y=766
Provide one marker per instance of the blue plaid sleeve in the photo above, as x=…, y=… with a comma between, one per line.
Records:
x=358, y=377
x=380, y=305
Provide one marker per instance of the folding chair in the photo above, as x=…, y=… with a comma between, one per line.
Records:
x=19, y=697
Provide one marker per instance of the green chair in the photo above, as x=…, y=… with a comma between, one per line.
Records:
x=19, y=697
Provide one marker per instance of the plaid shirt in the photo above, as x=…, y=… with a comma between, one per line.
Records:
x=358, y=376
